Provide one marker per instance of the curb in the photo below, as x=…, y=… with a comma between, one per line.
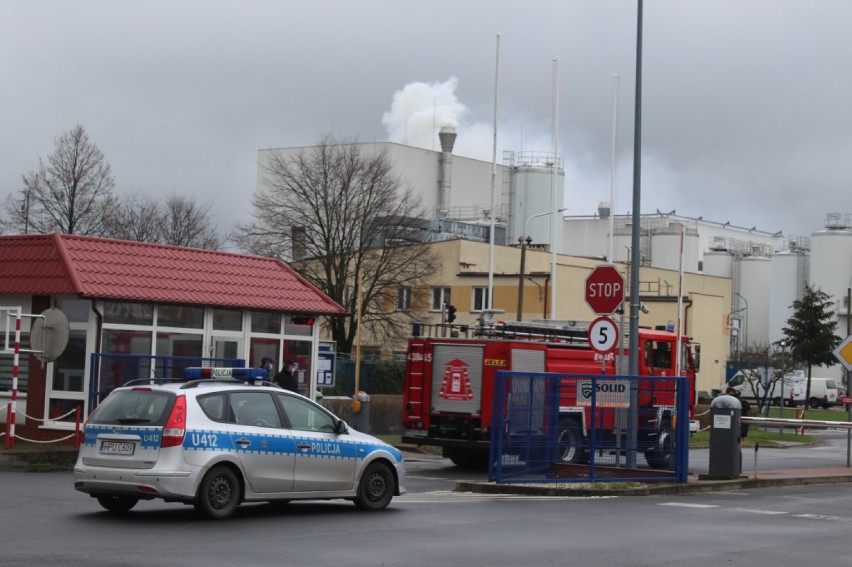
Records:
x=38, y=461
x=694, y=487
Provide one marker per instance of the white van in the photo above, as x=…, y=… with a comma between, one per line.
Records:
x=792, y=391
x=823, y=390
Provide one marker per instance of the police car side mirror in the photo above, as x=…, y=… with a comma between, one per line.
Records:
x=340, y=427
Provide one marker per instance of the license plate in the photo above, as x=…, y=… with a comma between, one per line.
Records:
x=117, y=448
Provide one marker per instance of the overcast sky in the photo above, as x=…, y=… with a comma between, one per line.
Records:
x=745, y=112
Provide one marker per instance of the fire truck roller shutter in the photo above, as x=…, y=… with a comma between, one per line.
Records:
x=457, y=378
x=530, y=392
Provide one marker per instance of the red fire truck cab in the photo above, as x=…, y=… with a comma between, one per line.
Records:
x=449, y=385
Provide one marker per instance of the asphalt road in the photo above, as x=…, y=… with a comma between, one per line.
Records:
x=47, y=523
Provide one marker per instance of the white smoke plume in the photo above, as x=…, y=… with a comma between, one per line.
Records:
x=419, y=110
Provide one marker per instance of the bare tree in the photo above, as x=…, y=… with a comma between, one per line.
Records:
x=763, y=368
x=183, y=222
x=341, y=216
x=70, y=194
x=136, y=217
x=178, y=221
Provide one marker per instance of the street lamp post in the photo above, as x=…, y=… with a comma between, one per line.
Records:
x=525, y=240
x=745, y=324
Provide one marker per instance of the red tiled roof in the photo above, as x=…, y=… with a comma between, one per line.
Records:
x=83, y=266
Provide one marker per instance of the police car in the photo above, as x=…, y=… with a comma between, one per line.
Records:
x=226, y=436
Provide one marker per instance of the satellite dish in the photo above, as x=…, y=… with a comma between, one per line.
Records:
x=49, y=336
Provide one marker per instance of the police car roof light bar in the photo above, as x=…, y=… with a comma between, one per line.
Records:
x=241, y=374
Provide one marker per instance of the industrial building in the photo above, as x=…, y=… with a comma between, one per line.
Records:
x=766, y=271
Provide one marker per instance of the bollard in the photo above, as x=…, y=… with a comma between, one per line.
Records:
x=725, y=453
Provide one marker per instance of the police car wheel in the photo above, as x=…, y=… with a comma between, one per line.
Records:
x=117, y=504
x=376, y=487
x=219, y=493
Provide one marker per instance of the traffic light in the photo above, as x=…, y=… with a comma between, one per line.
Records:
x=451, y=313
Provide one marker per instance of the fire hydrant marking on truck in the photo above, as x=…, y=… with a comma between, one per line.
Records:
x=455, y=384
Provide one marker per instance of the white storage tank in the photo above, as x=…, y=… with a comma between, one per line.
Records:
x=718, y=263
x=666, y=244
x=532, y=183
x=754, y=285
x=624, y=242
x=788, y=273
x=831, y=271
x=831, y=264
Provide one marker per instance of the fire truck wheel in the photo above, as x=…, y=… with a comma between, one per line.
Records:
x=469, y=460
x=570, y=442
x=661, y=456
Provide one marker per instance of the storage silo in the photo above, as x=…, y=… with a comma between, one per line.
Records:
x=831, y=269
x=624, y=242
x=831, y=263
x=718, y=263
x=788, y=272
x=666, y=244
x=531, y=200
x=754, y=286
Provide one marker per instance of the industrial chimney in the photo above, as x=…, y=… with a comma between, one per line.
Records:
x=447, y=135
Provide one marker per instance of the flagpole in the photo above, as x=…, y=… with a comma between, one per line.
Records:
x=493, y=182
x=553, y=206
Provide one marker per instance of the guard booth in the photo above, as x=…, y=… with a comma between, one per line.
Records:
x=726, y=460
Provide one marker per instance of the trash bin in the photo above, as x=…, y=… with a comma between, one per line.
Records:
x=361, y=412
x=725, y=454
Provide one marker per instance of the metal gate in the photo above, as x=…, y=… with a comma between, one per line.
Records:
x=589, y=428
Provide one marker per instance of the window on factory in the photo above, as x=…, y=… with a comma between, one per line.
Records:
x=480, y=298
x=440, y=297
x=403, y=298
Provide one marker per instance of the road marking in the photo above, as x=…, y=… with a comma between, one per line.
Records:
x=763, y=512
x=753, y=511
x=821, y=517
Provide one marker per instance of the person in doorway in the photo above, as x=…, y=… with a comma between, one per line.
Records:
x=267, y=364
x=746, y=408
x=286, y=378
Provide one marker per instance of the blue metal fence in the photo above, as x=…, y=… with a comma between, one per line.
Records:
x=589, y=428
x=109, y=371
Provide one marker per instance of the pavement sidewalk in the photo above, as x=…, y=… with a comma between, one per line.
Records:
x=695, y=484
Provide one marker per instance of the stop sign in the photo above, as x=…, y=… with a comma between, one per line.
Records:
x=604, y=289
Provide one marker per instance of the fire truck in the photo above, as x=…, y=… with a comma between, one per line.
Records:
x=449, y=385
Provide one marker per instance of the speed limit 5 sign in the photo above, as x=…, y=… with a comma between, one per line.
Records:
x=603, y=335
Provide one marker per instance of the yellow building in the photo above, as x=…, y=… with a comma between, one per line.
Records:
x=461, y=280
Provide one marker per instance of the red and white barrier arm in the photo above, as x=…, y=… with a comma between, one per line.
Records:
x=797, y=422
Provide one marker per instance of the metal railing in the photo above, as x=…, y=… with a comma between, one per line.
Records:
x=549, y=428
